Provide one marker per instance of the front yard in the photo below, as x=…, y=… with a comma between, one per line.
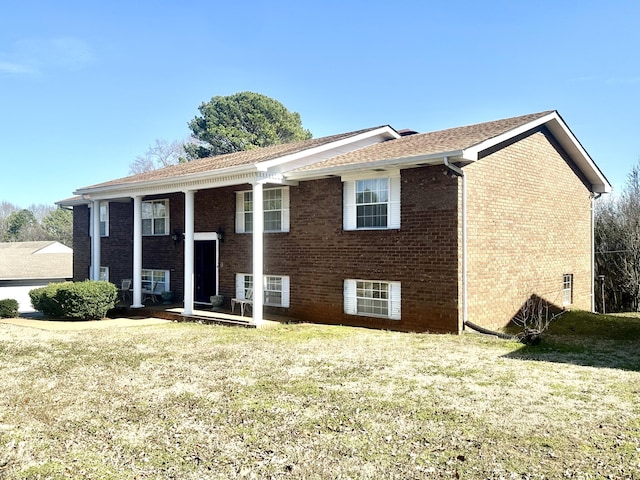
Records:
x=189, y=401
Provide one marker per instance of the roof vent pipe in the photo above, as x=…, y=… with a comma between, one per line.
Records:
x=405, y=132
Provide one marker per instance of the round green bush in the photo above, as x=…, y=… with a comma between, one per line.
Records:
x=88, y=300
x=8, y=308
x=44, y=300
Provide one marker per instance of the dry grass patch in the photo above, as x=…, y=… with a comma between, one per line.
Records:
x=190, y=401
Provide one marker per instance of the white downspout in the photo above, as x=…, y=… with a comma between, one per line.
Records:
x=460, y=173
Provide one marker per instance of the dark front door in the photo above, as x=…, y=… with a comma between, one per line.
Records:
x=205, y=270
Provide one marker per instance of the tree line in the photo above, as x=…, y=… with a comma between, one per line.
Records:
x=617, y=248
x=226, y=124
x=38, y=222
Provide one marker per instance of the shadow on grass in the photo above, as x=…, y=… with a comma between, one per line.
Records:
x=583, y=338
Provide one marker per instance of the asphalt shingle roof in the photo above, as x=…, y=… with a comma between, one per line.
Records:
x=246, y=157
x=442, y=141
x=432, y=143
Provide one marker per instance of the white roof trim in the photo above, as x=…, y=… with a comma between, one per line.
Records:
x=564, y=136
x=269, y=171
x=387, y=164
x=473, y=153
x=328, y=150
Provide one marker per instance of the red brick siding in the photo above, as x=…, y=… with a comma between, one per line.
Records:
x=318, y=255
x=81, y=243
x=528, y=223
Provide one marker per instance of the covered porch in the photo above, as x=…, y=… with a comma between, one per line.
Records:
x=191, y=239
x=200, y=314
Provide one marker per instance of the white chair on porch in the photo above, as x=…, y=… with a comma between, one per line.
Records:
x=150, y=293
x=125, y=289
x=244, y=302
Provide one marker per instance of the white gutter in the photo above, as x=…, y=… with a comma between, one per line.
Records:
x=239, y=172
x=460, y=173
x=402, y=162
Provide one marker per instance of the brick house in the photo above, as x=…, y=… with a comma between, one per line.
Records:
x=374, y=228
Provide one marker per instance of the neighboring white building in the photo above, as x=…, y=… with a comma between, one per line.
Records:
x=28, y=265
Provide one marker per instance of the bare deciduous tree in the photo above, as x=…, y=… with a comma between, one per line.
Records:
x=535, y=316
x=617, y=245
x=161, y=154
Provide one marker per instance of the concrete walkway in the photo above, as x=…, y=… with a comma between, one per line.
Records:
x=56, y=325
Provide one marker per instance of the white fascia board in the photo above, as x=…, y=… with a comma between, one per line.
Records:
x=297, y=160
x=192, y=185
x=473, y=153
x=223, y=177
x=390, y=164
x=568, y=141
x=579, y=155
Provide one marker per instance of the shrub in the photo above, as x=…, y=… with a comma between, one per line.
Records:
x=89, y=300
x=44, y=300
x=8, y=308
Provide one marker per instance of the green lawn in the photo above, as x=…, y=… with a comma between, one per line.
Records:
x=188, y=401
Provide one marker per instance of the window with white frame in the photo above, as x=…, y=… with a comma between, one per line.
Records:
x=276, y=210
x=104, y=219
x=155, y=217
x=276, y=288
x=567, y=289
x=158, y=280
x=103, y=212
x=371, y=203
x=104, y=274
x=372, y=298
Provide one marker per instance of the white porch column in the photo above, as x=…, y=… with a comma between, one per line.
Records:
x=137, y=252
x=189, y=249
x=258, y=253
x=95, y=240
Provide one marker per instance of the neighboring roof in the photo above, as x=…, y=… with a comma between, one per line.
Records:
x=35, y=260
x=372, y=148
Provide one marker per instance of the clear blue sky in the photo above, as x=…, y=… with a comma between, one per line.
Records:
x=87, y=86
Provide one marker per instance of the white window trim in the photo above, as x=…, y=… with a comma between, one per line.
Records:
x=166, y=284
x=106, y=220
x=351, y=302
x=240, y=212
x=104, y=274
x=349, y=213
x=567, y=292
x=167, y=218
x=285, y=282
x=103, y=203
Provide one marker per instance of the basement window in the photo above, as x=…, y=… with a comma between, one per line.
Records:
x=567, y=289
x=276, y=289
x=155, y=280
x=372, y=298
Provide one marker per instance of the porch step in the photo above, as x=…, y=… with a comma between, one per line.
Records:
x=212, y=320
